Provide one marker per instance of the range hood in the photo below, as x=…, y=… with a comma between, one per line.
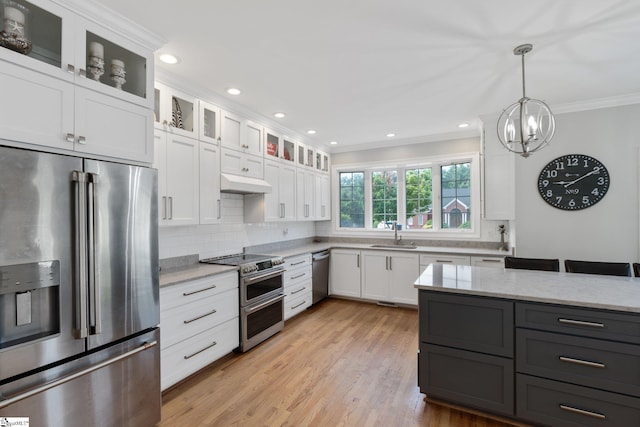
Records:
x=230, y=183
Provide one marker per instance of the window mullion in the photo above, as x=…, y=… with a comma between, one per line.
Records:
x=436, y=179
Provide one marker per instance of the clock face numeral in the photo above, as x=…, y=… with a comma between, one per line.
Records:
x=573, y=182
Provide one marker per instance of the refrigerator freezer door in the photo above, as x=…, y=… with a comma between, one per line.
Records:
x=36, y=234
x=123, y=244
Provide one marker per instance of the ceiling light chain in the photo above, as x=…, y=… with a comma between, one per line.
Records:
x=534, y=123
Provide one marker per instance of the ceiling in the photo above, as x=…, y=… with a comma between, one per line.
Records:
x=356, y=70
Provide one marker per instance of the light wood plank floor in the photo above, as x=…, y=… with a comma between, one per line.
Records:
x=341, y=363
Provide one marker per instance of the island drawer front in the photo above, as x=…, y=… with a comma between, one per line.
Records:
x=195, y=290
x=585, y=361
x=578, y=321
x=467, y=378
x=565, y=405
x=473, y=323
x=185, y=321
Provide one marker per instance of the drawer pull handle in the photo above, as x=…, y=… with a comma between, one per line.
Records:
x=583, y=412
x=299, y=262
x=200, y=351
x=298, y=276
x=444, y=261
x=186, y=294
x=491, y=260
x=296, y=306
x=582, y=362
x=298, y=290
x=581, y=323
x=200, y=317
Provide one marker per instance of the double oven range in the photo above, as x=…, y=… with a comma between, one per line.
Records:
x=261, y=295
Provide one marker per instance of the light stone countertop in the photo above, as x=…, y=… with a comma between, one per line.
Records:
x=174, y=276
x=581, y=290
x=321, y=246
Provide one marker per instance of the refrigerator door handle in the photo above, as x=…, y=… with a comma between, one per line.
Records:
x=50, y=385
x=80, y=280
x=94, y=289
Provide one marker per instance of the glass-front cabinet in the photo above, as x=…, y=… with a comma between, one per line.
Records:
x=43, y=36
x=305, y=155
x=272, y=144
x=175, y=112
x=321, y=163
x=209, y=116
x=288, y=150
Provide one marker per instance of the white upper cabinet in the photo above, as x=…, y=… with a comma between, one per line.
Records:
x=238, y=163
x=175, y=112
x=279, y=147
x=240, y=134
x=305, y=156
x=321, y=163
x=323, y=189
x=279, y=205
x=209, y=127
x=252, y=138
x=210, y=201
x=305, y=195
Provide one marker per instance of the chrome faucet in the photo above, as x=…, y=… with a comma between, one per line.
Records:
x=396, y=239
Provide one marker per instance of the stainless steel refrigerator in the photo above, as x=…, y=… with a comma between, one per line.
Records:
x=79, y=295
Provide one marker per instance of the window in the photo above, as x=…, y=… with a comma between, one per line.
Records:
x=418, y=187
x=352, y=199
x=384, y=198
x=436, y=196
x=456, y=195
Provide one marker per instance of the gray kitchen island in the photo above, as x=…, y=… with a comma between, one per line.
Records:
x=558, y=349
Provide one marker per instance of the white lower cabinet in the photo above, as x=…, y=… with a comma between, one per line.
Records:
x=297, y=285
x=198, y=324
x=344, y=273
x=487, y=261
x=389, y=276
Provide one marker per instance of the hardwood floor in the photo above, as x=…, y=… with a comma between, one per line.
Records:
x=341, y=363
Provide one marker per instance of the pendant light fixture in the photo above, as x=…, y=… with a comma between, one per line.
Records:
x=525, y=126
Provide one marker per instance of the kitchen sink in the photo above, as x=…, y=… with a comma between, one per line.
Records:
x=394, y=246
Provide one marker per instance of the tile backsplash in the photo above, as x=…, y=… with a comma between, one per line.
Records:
x=229, y=237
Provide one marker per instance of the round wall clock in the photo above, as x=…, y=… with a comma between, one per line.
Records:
x=573, y=182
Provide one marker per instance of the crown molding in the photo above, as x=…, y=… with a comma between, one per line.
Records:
x=105, y=17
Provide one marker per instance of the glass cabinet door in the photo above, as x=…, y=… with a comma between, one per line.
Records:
x=272, y=144
x=209, y=122
x=288, y=150
x=175, y=112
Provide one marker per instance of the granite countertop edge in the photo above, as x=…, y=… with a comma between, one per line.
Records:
x=174, y=276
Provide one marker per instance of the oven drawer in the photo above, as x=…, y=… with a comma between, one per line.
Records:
x=195, y=290
x=296, y=304
x=185, y=321
x=585, y=361
x=181, y=360
x=558, y=404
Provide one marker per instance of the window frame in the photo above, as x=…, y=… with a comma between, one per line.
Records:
x=400, y=166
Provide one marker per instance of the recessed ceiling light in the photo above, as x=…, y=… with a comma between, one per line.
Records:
x=391, y=135
x=333, y=142
x=234, y=91
x=463, y=125
x=311, y=132
x=279, y=115
x=168, y=58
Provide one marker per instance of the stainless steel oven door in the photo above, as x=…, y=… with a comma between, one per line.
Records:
x=260, y=286
x=260, y=321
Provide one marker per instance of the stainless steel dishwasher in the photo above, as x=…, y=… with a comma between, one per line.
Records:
x=320, y=276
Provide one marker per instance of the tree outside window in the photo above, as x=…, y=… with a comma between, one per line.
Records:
x=384, y=198
x=352, y=199
x=418, y=207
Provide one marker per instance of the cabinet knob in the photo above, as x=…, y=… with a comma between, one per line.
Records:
x=71, y=137
x=82, y=140
x=71, y=69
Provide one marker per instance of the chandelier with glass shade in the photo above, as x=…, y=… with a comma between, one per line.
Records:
x=527, y=125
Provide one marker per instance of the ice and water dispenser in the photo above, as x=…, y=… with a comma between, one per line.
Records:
x=29, y=302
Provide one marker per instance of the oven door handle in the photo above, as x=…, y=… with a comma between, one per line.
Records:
x=254, y=279
x=250, y=310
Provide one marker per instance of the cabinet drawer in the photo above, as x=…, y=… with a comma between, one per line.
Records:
x=193, y=354
x=297, y=261
x=472, y=323
x=487, y=261
x=297, y=304
x=426, y=259
x=195, y=290
x=294, y=277
x=297, y=289
x=585, y=361
x=578, y=321
x=187, y=320
x=467, y=378
x=564, y=405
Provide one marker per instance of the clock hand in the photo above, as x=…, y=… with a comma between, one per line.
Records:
x=595, y=170
x=560, y=182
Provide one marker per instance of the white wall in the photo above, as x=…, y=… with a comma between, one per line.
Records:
x=607, y=231
x=229, y=237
